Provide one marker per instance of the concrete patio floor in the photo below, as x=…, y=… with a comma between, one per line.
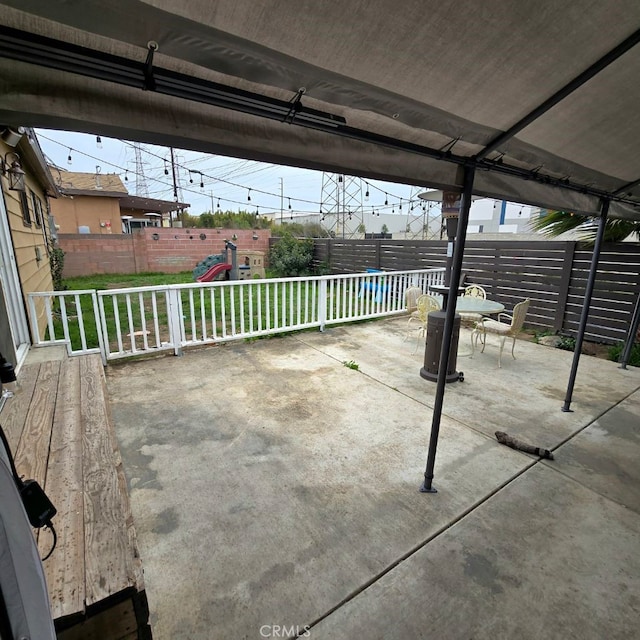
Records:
x=271, y=487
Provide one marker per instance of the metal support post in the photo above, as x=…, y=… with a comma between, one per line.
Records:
x=631, y=336
x=458, y=254
x=591, y=280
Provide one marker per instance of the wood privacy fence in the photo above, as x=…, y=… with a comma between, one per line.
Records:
x=552, y=273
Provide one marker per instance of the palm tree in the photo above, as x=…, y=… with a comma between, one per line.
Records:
x=558, y=222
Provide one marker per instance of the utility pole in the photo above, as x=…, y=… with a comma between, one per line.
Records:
x=175, y=184
x=282, y=200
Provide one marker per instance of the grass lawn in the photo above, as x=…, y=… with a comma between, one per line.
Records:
x=120, y=281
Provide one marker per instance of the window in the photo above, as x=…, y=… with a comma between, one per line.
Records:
x=24, y=205
x=37, y=209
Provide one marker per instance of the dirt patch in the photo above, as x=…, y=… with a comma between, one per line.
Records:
x=595, y=349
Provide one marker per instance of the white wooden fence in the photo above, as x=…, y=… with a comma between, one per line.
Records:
x=121, y=323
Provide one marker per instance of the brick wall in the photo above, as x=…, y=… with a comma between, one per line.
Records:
x=154, y=249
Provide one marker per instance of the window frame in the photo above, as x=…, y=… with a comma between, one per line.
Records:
x=24, y=206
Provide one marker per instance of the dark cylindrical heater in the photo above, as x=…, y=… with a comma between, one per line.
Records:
x=435, y=332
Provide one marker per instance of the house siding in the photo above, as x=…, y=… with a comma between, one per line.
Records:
x=100, y=214
x=32, y=257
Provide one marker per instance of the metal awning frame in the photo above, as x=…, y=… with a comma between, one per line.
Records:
x=64, y=56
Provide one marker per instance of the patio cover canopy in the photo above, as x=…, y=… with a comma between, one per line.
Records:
x=542, y=97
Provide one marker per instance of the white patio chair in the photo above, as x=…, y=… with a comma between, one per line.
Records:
x=411, y=296
x=426, y=304
x=501, y=328
x=469, y=319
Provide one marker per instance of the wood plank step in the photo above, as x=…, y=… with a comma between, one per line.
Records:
x=65, y=569
x=108, y=557
x=32, y=454
x=15, y=409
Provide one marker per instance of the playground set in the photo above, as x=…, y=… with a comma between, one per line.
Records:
x=225, y=266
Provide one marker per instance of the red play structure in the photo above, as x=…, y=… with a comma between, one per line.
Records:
x=214, y=271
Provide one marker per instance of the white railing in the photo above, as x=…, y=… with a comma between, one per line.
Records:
x=127, y=322
x=69, y=314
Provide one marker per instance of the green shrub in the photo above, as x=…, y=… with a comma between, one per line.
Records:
x=634, y=358
x=567, y=343
x=291, y=257
x=56, y=261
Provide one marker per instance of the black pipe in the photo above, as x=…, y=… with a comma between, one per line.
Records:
x=602, y=223
x=458, y=254
x=631, y=336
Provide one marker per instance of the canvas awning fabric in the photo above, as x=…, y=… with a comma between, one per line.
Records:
x=407, y=92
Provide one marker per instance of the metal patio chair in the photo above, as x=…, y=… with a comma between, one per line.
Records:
x=472, y=291
x=426, y=304
x=501, y=328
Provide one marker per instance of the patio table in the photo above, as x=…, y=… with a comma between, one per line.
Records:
x=468, y=304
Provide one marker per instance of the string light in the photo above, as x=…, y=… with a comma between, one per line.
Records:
x=99, y=142
x=341, y=178
x=126, y=177
x=366, y=193
x=289, y=204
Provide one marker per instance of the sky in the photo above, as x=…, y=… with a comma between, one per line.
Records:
x=230, y=184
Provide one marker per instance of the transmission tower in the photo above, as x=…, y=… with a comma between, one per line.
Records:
x=424, y=221
x=141, y=182
x=341, y=209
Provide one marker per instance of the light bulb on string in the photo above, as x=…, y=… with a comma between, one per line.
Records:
x=69, y=160
x=366, y=193
x=400, y=204
x=289, y=203
x=249, y=195
x=126, y=177
x=386, y=199
x=99, y=142
x=166, y=171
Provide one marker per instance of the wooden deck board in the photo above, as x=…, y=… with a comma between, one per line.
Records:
x=109, y=567
x=15, y=409
x=61, y=433
x=117, y=623
x=32, y=454
x=65, y=570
